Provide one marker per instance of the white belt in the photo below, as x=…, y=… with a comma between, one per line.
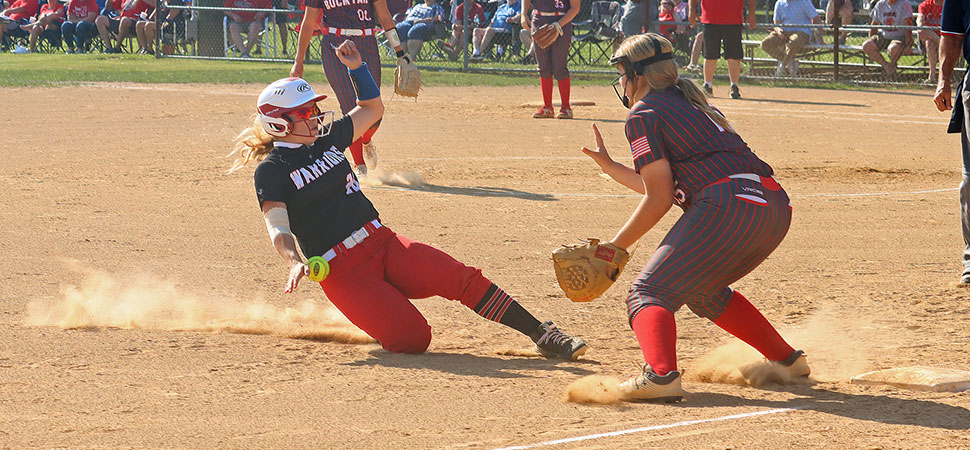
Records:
x=746, y=176
x=349, y=31
x=355, y=238
x=550, y=14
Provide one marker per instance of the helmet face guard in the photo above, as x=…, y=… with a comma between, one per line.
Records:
x=289, y=101
x=636, y=68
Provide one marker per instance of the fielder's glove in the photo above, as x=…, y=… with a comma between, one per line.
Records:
x=545, y=35
x=407, y=79
x=585, y=271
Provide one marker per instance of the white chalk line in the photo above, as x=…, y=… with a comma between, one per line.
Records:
x=650, y=428
x=594, y=195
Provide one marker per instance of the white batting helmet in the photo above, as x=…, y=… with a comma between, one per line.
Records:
x=283, y=97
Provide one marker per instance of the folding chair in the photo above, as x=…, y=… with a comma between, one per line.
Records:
x=603, y=31
x=263, y=44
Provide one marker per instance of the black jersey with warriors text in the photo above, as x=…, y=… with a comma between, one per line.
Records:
x=322, y=195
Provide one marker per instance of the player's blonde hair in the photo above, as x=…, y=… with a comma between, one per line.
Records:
x=663, y=74
x=252, y=144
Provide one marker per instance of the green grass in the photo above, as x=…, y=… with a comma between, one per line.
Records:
x=59, y=69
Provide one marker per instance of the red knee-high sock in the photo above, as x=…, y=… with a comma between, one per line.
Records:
x=546, y=85
x=656, y=333
x=564, y=92
x=744, y=321
x=368, y=134
x=357, y=151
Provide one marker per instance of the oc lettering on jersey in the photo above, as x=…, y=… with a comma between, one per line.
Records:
x=304, y=175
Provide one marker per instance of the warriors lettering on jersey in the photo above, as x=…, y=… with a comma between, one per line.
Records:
x=304, y=175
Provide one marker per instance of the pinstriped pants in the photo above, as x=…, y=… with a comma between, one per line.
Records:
x=336, y=71
x=728, y=230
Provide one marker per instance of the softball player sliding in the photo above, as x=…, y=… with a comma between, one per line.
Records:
x=735, y=214
x=340, y=21
x=552, y=59
x=305, y=184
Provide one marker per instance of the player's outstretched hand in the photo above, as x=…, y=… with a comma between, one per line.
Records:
x=297, y=70
x=296, y=272
x=600, y=155
x=348, y=54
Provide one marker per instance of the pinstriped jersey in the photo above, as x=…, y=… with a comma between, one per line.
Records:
x=664, y=125
x=357, y=14
x=550, y=5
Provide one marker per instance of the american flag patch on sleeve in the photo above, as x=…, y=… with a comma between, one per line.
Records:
x=640, y=147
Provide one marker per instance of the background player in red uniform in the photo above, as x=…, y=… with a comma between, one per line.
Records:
x=552, y=60
x=735, y=214
x=305, y=182
x=346, y=20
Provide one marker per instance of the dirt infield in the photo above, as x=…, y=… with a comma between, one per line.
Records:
x=142, y=302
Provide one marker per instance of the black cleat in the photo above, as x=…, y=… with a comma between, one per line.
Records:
x=553, y=343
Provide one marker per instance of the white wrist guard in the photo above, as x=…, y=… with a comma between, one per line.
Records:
x=558, y=27
x=277, y=223
x=392, y=38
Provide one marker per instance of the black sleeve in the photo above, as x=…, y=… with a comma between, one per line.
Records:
x=269, y=184
x=342, y=133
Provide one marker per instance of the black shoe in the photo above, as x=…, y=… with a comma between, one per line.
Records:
x=553, y=343
x=796, y=364
x=708, y=90
x=735, y=92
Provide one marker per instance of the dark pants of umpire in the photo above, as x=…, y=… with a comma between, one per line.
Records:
x=76, y=34
x=960, y=122
x=728, y=230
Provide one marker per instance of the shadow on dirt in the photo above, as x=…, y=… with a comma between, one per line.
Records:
x=474, y=365
x=874, y=408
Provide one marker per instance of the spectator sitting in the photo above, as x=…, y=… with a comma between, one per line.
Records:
x=79, y=26
x=672, y=11
x=507, y=14
x=845, y=13
x=476, y=17
x=930, y=14
x=889, y=12
x=18, y=14
x=416, y=26
x=172, y=25
x=49, y=21
x=785, y=43
x=119, y=17
x=248, y=21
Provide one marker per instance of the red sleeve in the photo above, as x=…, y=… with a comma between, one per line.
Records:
x=93, y=7
x=922, y=9
x=229, y=4
x=643, y=133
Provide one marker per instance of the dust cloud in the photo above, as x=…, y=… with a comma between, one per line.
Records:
x=106, y=301
x=382, y=177
x=597, y=389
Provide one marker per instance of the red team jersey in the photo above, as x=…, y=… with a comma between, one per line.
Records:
x=932, y=14
x=81, y=8
x=665, y=126
x=722, y=12
x=135, y=7
x=248, y=16
x=58, y=10
x=355, y=14
x=29, y=5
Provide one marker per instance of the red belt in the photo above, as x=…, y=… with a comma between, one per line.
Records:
x=351, y=241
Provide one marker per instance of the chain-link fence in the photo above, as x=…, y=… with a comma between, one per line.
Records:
x=488, y=37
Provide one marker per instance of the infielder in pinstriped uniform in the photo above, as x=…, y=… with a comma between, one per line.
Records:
x=552, y=60
x=347, y=20
x=735, y=214
x=304, y=183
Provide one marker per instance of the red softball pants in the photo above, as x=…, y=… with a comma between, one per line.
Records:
x=372, y=283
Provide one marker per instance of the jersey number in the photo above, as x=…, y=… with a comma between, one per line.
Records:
x=352, y=184
x=363, y=15
x=560, y=4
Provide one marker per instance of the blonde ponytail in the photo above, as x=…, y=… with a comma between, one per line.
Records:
x=663, y=74
x=252, y=144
